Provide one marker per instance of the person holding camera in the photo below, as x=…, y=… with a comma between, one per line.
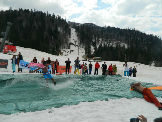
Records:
x=142, y=118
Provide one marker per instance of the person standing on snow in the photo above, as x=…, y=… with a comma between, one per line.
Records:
x=97, y=66
x=76, y=65
x=34, y=60
x=67, y=65
x=56, y=65
x=114, y=69
x=83, y=68
x=90, y=68
x=130, y=71
x=134, y=71
x=104, y=67
x=126, y=70
x=110, y=69
x=19, y=57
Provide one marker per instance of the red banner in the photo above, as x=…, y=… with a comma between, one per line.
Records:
x=62, y=69
x=9, y=48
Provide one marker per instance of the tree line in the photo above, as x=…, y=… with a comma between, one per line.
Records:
x=117, y=44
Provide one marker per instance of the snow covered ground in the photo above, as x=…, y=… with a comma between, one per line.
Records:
x=99, y=111
x=116, y=110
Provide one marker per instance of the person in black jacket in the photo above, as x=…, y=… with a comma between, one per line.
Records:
x=48, y=61
x=67, y=65
x=90, y=68
x=134, y=71
x=34, y=60
x=104, y=67
x=130, y=71
x=19, y=57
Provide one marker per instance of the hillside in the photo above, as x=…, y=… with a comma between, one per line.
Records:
x=119, y=44
x=51, y=34
x=35, y=29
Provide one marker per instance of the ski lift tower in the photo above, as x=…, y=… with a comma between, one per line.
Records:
x=5, y=34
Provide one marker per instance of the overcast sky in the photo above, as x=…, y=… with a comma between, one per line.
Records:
x=143, y=15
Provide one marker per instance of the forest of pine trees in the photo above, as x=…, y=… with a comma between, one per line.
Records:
x=50, y=33
x=35, y=29
x=107, y=43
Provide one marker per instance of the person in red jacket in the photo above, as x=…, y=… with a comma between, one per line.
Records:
x=97, y=66
x=110, y=69
x=147, y=94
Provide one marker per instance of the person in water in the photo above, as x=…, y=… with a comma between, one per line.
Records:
x=147, y=94
x=45, y=72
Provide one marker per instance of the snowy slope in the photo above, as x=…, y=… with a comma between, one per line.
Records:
x=74, y=48
x=145, y=73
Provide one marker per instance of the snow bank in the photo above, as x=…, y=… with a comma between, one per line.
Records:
x=120, y=110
